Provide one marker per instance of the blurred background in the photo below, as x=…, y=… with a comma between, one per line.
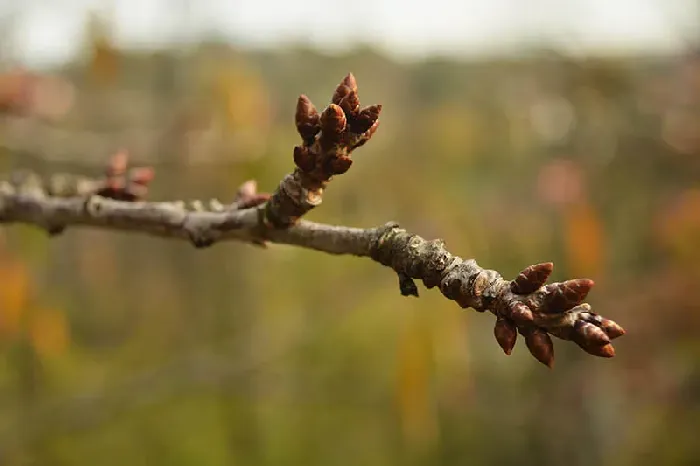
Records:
x=520, y=132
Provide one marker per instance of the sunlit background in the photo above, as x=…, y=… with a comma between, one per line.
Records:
x=520, y=132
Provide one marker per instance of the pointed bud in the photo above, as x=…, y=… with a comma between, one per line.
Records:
x=303, y=158
x=506, y=335
x=532, y=278
x=340, y=92
x=333, y=123
x=540, y=345
x=590, y=334
x=350, y=81
x=604, y=351
x=306, y=119
x=612, y=328
x=366, y=118
x=350, y=104
x=563, y=296
x=521, y=313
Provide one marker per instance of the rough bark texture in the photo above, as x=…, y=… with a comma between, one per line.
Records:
x=525, y=306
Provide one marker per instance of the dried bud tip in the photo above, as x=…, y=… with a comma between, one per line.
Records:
x=142, y=175
x=506, y=335
x=532, y=278
x=540, y=345
x=350, y=81
x=247, y=189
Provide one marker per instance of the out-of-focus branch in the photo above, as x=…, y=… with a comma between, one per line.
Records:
x=526, y=305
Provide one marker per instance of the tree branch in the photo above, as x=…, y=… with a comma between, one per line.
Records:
x=523, y=306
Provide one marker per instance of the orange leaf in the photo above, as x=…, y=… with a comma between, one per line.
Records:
x=583, y=236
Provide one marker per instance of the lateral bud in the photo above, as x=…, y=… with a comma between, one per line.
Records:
x=506, y=334
x=540, y=345
x=306, y=119
x=532, y=278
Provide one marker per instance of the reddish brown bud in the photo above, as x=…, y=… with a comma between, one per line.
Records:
x=350, y=81
x=340, y=165
x=521, y=313
x=532, y=278
x=540, y=345
x=366, y=136
x=604, y=351
x=306, y=119
x=366, y=118
x=304, y=159
x=589, y=334
x=563, y=296
x=506, y=334
x=333, y=122
x=340, y=93
x=612, y=328
x=350, y=104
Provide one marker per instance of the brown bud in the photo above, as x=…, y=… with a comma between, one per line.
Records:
x=521, y=313
x=306, y=118
x=366, y=136
x=506, y=334
x=532, y=278
x=340, y=165
x=366, y=118
x=612, y=328
x=589, y=334
x=563, y=296
x=540, y=345
x=350, y=104
x=303, y=158
x=333, y=122
x=604, y=351
x=350, y=81
x=340, y=92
